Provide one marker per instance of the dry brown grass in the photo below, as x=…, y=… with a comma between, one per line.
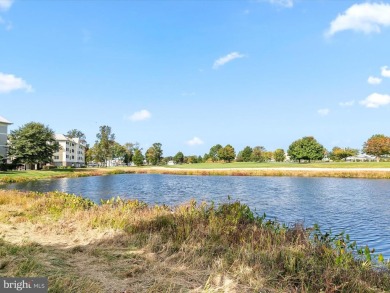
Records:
x=346, y=173
x=129, y=246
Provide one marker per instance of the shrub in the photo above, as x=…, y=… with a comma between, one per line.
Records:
x=49, y=167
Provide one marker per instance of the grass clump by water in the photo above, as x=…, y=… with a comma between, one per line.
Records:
x=128, y=245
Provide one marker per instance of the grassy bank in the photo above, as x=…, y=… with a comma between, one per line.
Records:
x=338, y=170
x=31, y=175
x=345, y=165
x=127, y=245
x=304, y=172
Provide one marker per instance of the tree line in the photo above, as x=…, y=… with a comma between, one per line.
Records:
x=34, y=143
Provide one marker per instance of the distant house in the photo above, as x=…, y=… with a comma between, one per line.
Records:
x=71, y=152
x=3, y=136
x=361, y=158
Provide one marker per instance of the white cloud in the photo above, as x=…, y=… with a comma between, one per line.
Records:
x=365, y=17
x=195, y=141
x=284, y=3
x=5, y=4
x=225, y=59
x=385, y=71
x=347, y=104
x=323, y=112
x=375, y=100
x=374, y=80
x=9, y=83
x=140, y=115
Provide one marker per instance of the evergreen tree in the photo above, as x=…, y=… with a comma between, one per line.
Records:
x=213, y=154
x=179, y=158
x=138, y=158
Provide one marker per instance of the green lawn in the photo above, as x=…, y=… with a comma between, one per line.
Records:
x=37, y=173
x=7, y=176
x=284, y=165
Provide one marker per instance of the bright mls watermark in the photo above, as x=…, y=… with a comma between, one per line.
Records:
x=28, y=285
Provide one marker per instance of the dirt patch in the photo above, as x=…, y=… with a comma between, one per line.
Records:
x=26, y=232
x=103, y=256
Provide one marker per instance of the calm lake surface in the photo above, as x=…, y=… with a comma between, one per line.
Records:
x=361, y=207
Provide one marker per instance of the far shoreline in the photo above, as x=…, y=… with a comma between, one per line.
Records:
x=226, y=170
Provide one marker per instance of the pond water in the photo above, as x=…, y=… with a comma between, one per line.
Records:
x=361, y=207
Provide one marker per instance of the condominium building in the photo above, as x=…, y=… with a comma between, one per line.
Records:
x=71, y=152
x=3, y=136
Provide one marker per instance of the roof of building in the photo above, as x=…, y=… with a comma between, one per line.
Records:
x=5, y=121
x=61, y=137
x=361, y=157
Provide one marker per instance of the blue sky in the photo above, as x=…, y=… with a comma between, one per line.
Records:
x=191, y=74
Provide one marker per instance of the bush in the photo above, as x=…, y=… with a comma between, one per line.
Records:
x=49, y=167
x=6, y=167
x=64, y=167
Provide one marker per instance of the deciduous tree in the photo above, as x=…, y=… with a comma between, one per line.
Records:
x=279, y=155
x=338, y=154
x=75, y=133
x=118, y=151
x=154, y=154
x=89, y=155
x=104, y=144
x=213, y=154
x=377, y=145
x=246, y=154
x=130, y=149
x=227, y=153
x=206, y=157
x=258, y=154
x=306, y=148
x=33, y=143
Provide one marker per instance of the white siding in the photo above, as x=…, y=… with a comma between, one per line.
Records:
x=3, y=139
x=71, y=153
